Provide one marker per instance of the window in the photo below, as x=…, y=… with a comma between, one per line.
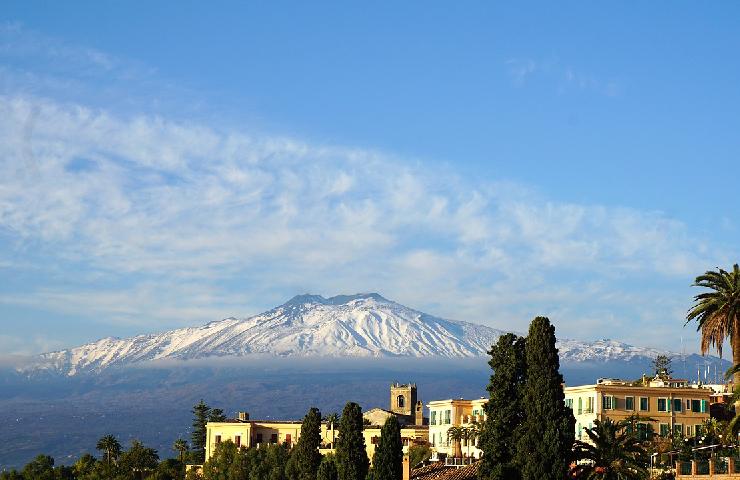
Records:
x=590, y=405
x=580, y=405
x=274, y=438
x=644, y=404
x=288, y=438
x=401, y=401
x=218, y=439
x=663, y=405
x=629, y=403
x=608, y=401
x=569, y=403
x=677, y=428
x=259, y=438
x=433, y=418
x=704, y=405
x=697, y=430
x=644, y=431
x=677, y=405
x=238, y=441
x=696, y=406
x=374, y=440
x=447, y=417
x=664, y=429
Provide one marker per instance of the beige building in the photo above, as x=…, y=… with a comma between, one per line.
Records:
x=247, y=433
x=444, y=414
x=673, y=405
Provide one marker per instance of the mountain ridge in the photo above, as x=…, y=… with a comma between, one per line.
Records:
x=364, y=325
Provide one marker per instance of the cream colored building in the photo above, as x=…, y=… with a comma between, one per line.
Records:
x=253, y=433
x=444, y=414
x=673, y=405
x=247, y=433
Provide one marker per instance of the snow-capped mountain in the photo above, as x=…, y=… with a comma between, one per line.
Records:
x=363, y=325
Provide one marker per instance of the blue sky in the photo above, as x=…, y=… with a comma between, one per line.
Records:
x=171, y=163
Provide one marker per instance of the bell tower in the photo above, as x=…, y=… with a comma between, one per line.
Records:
x=403, y=398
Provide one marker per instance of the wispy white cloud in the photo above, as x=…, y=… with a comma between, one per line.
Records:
x=562, y=76
x=188, y=218
x=144, y=219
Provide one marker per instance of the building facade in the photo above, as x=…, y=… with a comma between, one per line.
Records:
x=444, y=414
x=659, y=407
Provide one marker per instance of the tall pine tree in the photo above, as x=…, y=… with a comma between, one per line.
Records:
x=352, y=461
x=327, y=469
x=388, y=456
x=547, y=435
x=306, y=452
x=201, y=412
x=504, y=414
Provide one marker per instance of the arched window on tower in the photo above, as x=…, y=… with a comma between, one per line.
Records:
x=401, y=401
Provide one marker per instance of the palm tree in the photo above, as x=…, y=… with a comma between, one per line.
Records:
x=455, y=434
x=610, y=454
x=110, y=446
x=332, y=419
x=181, y=446
x=473, y=433
x=718, y=312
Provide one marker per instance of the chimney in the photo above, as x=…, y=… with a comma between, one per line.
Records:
x=406, y=467
x=243, y=416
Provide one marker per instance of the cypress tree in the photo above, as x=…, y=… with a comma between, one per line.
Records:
x=547, y=435
x=306, y=451
x=201, y=412
x=388, y=456
x=352, y=461
x=327, y=469
x=504, y=413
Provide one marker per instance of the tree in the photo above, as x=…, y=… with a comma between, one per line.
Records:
x=170, y=469
x=352, y=461
x=388, y=458
x=226, y=463
x=11, y=475
x=504, y=411
x=662, y=366
x=216, y=415
x=545, y=445
x=332, y=420
x=455, y=434
x=181, y=447
x=611, y=454
x=306, y=452
x=327, y=469
x=111, y=448
x=418, y=454
x=84, y=466
x=40, y=468
x=717, y=313
x=201, y=411
x=139, y=459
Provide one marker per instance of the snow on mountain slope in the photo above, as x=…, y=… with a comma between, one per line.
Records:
x=363, y=325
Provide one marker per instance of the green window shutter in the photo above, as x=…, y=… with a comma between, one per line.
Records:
x=704, y=406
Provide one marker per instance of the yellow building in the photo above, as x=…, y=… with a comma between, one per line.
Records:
x=673, y=405
x=253, y=433
x=444, y=414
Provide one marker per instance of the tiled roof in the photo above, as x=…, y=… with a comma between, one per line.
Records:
x=439, y=471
